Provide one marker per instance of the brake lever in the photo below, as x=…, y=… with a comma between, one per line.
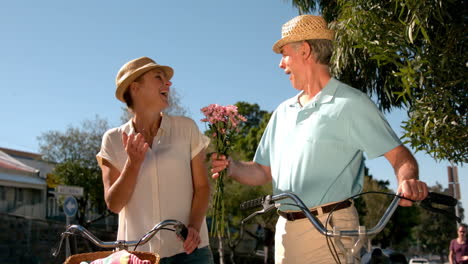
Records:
x=267, y=205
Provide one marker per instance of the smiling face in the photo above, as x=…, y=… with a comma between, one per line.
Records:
x=151, y=90
x=293, y=64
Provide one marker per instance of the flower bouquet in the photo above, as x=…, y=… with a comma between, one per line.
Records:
x=223, y=125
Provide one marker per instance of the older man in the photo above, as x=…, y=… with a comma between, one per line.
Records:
x=314, y=143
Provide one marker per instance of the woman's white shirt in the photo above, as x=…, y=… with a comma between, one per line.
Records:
x=164, y=188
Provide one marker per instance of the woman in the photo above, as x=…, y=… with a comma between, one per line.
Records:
x=153, y=167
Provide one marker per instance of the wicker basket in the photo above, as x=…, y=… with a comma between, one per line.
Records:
x=78, y=258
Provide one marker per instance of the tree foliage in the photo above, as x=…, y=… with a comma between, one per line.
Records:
x=75, y=144
x=406, y=53
x=251, y=131
x=75, y=174
x=75, y=151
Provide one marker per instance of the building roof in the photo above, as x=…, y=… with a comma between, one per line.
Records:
x=24, y=181
x=8, y=162
x=19, y=153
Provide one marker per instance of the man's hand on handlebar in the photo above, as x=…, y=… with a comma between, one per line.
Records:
x=218, y=163
x=412, y=189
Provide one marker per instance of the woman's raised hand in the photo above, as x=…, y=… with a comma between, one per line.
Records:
x=135, y=146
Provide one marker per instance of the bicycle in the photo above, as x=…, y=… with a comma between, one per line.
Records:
x=361, y=234
x=177, y=227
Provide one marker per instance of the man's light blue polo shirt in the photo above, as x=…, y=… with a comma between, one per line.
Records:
x=316, y=151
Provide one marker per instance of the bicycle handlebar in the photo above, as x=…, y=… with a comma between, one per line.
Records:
x=268, y=202
x=439, y=198
x=179, y=228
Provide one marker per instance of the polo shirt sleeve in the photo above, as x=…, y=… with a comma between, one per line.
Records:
x=370, y=130
x=262, y=155
x=198, y=141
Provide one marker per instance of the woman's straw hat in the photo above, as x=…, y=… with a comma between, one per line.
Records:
x=303, y=28
x=135, y=68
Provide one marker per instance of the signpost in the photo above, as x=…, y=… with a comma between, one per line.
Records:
x=454, y=186
x=70, y=205
x=69, y=190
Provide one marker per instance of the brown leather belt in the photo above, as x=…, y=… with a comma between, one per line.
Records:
x=291, y=216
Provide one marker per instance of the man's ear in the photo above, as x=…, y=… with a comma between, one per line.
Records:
x=305, y=49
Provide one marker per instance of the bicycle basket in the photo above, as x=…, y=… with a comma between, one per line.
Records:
x=78, y=258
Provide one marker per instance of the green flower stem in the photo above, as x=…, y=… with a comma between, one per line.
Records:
x=218, y=209
x=222, y=145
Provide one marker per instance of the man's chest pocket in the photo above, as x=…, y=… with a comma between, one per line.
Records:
x=323, y=127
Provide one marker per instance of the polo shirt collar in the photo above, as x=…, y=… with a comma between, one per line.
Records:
x=326, y=95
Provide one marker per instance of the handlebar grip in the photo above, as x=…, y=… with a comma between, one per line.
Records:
x=252, y=203
x=184, y=232
x=181, y=231
x=439, y=198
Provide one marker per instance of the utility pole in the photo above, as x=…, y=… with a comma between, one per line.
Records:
x=454, y=186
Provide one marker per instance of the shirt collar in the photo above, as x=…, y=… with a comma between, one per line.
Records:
x=164, y=127
x=165, y=124
x=326, y=95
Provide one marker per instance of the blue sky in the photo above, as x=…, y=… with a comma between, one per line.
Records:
x=58, y=61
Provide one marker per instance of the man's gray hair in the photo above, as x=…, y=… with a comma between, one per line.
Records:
x=322, y=49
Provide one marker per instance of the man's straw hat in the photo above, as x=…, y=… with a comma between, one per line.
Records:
x=302, y=28
x=134, y=69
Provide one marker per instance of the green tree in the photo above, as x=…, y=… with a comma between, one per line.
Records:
x=251, y=131
x=406, y=53
x=75, y=151
x=73, y=173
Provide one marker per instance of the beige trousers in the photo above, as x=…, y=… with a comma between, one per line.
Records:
x=298, y=242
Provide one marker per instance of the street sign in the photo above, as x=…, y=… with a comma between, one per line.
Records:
x=69, y=190
x=70, y=206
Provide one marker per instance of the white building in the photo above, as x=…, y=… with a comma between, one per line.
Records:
x=23, y=186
